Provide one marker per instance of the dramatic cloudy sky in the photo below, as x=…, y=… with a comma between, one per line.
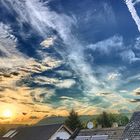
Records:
x=61, y=54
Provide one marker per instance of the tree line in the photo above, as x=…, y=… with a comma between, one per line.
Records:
x=105, y=120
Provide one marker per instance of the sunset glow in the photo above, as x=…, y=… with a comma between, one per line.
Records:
x=7, y=113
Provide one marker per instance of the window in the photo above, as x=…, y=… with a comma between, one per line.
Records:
x=10, y=134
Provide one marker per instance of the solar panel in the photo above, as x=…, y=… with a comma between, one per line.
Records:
x=83, y=138
x=100, y=137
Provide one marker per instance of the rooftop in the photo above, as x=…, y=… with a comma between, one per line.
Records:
x=132, y=130
x=42, y=132
x=113, y=133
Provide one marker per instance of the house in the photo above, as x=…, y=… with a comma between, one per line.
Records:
x=42, y=132
x=132, y=130
x=100, y=134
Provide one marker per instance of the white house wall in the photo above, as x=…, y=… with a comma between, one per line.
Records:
x=62, y=134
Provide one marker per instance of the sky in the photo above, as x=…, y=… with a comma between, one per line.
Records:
x=56, y=55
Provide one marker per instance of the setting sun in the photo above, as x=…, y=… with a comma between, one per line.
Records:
x=7, y=113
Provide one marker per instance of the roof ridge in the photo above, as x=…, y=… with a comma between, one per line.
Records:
x=33, y=126
x=110, y=128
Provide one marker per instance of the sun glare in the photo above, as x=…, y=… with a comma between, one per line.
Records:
x=7, y=113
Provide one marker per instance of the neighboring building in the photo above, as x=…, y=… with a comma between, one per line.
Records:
x=132, y=130
x=43, y=132
x=100, y=134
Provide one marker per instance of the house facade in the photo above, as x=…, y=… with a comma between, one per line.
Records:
x=61, y=134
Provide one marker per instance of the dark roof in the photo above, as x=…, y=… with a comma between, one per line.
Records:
x=42, y=132
x=5, y=138
x=113, y=133
x=132, y=130
x=75, y=133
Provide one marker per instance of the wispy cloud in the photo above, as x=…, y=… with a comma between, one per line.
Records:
x=115, y=45
x=108, y=45
x=131, y=7
x=48, y=42
x=129, y=56
x=113, y=76
x=66, y=83
x=34, y=13
x=10, y=56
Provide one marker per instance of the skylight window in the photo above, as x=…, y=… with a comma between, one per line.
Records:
x=9, y=134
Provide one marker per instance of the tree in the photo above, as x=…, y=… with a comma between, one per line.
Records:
x=104, y=120
x=107, y=120
x=73, y=122
x=123, y=120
